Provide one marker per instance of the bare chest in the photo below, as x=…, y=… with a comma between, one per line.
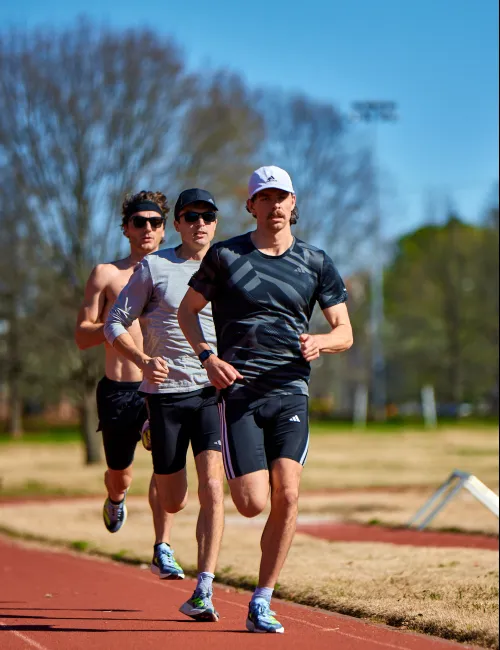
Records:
x=115, y=285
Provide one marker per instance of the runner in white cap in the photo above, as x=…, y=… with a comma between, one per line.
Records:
x=263, y=286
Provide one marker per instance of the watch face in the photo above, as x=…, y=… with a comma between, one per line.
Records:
x=204, y=355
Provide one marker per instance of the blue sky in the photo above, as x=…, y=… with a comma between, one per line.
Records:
x=438, y=59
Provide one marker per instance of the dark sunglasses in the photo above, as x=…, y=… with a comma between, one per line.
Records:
x=140, y=222
x=192, y=217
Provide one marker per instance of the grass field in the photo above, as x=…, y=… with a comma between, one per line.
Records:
x=338, y=458
x=408, y=459
x=449, y=592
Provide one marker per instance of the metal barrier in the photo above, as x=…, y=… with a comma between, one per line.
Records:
x=445, y=492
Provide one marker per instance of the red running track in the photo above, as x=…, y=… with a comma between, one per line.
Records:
x=342, y=532
x=59, y=601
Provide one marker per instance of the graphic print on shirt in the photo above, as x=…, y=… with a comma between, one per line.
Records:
x=261, y=306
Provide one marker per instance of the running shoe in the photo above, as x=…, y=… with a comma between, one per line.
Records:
x=146, y=436
x=165, y=565
x=261, y=618
x=200, y=607
x=114, y=514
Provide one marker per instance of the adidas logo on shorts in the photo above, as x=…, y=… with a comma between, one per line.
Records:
x=295, y=418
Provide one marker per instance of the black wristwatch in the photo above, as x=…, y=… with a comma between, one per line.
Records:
x=203, y=356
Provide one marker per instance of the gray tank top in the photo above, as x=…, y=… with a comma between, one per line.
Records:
x=153, y=295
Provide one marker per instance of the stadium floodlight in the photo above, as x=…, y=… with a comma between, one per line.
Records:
x=371, y=111
x=450, y=488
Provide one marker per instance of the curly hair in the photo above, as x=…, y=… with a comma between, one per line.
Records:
x=294, y=216
x=157, y=197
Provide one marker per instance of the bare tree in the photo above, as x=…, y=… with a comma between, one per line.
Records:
x=86, y=115
x=219, y=141
x=11, y=350
x=18, y=261
x=333, y=179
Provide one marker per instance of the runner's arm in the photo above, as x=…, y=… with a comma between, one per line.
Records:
x=130, y=303
x=189, y=322
x=220, y=373
x=127, y=308
x=153, y=368
x=338, y=339
x=89, y=330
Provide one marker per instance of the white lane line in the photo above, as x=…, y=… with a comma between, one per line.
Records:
x=284, y=616
x=290, y=618
x=302, y=622
x=25, y=638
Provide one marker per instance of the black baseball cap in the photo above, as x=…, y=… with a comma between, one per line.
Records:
x=192, y=196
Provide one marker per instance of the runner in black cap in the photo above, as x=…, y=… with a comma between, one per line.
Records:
x=192, y=196
x=182, y=403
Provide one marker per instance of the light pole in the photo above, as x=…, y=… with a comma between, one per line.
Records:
x=375, y=112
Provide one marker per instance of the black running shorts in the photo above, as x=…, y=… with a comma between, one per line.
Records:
x=122, y=412
x=175, y=420
x=257, y=432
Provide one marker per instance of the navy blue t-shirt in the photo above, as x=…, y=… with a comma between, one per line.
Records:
x=261, y=304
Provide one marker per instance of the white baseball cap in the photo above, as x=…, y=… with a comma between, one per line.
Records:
x=269, y=177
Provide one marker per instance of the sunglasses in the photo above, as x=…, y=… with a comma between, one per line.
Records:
x=192, y=217
x=140, y=222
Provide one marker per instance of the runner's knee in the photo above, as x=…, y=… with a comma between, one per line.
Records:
x=172, y=491
x=249, y=505
x=211, y=492
x=285, y=499
x=118, y=479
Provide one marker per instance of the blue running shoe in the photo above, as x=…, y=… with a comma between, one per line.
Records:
x=165, y=565
x=114, y=514
x=200, y=607
x=261, y=618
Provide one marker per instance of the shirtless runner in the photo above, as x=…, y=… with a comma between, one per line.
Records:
x=122, y=411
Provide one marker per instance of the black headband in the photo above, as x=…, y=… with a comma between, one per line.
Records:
x=143, y=206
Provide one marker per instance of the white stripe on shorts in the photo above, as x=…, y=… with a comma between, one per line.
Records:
x=226, y=456
x=304, y=455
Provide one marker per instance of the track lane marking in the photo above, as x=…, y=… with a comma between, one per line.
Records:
x=295, y=620
x=113, y=569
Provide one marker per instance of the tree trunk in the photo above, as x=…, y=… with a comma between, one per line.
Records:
x=15, y=414
x=88, y=425
x=15, y=366
x=15, y=377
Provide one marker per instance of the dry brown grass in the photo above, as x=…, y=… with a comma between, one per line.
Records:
x=59, y=468
x=406, y=458
x=449, y=592
x=340, y=460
